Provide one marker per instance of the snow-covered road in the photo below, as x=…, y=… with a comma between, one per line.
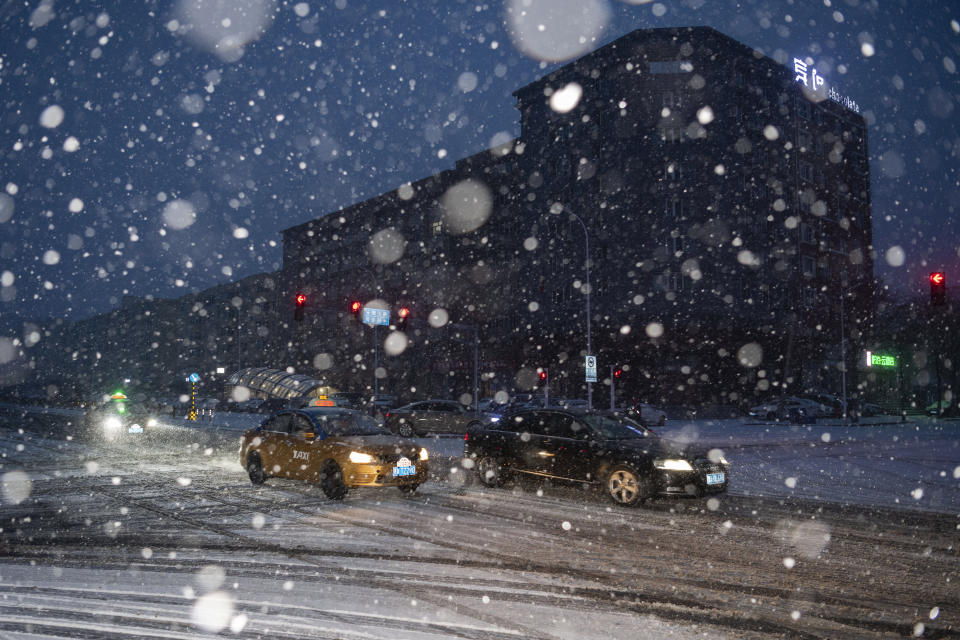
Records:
x=166, y=538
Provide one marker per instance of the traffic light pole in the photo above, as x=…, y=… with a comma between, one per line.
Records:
x=586, y=239
x=612, y=393
x=376, y=362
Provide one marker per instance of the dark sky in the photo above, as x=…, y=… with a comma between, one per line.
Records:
x=160, y=147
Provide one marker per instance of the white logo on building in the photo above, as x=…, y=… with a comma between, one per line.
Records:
x=813, y=80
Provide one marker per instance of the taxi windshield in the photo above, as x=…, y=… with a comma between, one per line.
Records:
x=349, y=424
x=615, y=428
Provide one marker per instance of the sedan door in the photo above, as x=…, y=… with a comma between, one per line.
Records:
x=450, y=417
x=573, y=456
x=548, y=436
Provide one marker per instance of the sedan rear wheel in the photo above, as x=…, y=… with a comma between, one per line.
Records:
x=407, y=488
x=626, y=487
x=405, y=430
x=490, y=470
x=331, y=481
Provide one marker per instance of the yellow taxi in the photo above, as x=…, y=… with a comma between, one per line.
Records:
x=334, y=447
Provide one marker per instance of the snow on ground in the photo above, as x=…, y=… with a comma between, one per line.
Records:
x=879, y=462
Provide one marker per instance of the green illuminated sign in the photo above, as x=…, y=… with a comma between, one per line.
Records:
x=880, y=360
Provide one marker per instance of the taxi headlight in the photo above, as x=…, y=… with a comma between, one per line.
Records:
x=360, y=458
x=152, y=422
x=112, y=423
x=424, y=455
x=673, y=464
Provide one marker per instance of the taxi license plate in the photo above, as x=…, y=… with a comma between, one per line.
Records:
x=135, y=429
x=715, y=478
x=404, y=471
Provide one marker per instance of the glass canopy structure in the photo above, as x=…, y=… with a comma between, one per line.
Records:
x=277, y=383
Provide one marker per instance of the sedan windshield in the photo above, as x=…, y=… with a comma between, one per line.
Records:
x=349, y=424
x=615, y=428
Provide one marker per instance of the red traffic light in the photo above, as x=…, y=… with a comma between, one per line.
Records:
x=938, y=289
x=301, y=299
x=618, y=373
x=355, y=306
x=543, y=375
x=403, y=312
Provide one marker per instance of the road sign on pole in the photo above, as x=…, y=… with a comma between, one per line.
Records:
x=376, y=316
x=591, y=366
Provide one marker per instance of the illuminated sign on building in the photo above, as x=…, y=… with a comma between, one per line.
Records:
x=879, y=360
x=812, y=80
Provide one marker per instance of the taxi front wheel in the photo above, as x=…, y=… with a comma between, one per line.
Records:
x=331, y=481
x=255, y=469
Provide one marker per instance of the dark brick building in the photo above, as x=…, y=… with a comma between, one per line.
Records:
x=727, y=209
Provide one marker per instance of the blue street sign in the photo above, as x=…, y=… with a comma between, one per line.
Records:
x=376, y=316
x=194, y=377
x=591, y=365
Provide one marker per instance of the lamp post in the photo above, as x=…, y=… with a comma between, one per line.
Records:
x=586, y=238
x=843, y=351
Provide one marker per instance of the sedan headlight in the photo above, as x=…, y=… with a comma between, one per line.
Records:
x=673, y=464
x=360, y=458
x=112, y=423
x=424, y=455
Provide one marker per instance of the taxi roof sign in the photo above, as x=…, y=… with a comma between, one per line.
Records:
x=324, y=403
x=118, y=395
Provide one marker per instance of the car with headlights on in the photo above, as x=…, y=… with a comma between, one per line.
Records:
x=334, y=447
x=115, y=417
x=605, y=449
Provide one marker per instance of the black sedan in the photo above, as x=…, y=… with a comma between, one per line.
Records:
x=613, y=451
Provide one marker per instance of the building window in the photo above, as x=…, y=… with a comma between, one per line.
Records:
x=805, y=141
x=809, y=266
x=807, y=233
x=672, y=171
x=671, y=134
x=673, y=208
x=670, y=99
x=437, y=227
x=803, y=108
x=678, y=244
x=806, y=170
x=674, y=282
x=809, y=297
x=671, y=66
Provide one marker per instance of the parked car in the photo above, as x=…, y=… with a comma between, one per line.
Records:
x=334, y=447
x=649, y=414
x=431, y=416
x=611, y=450
x=789, y=407
x=382, y=401
x=832, y=402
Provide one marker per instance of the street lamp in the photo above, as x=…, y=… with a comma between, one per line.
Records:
x=586, y=238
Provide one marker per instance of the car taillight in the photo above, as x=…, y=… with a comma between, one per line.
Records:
x=386, y=415
x=466, y=437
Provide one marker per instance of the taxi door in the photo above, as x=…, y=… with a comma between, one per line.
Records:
x=274, y=450
x=300, y=445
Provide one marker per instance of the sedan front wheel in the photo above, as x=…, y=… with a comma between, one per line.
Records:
x=626, y=487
